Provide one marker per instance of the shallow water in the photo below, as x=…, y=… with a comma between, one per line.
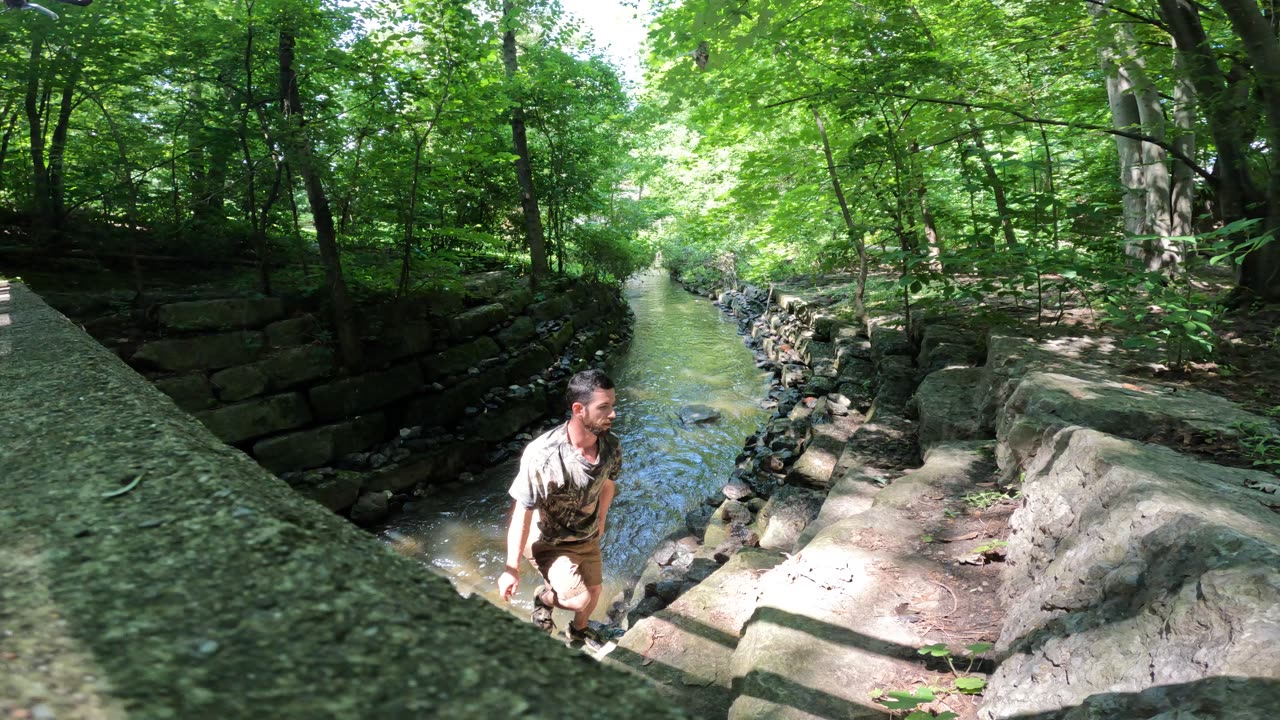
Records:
x=683, y=352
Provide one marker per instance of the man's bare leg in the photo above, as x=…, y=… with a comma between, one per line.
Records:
x=581, y=605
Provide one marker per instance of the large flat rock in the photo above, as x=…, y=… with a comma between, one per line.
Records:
x=1133, y=568
x=1044, y=402
x=829, y=624
x=686, y=648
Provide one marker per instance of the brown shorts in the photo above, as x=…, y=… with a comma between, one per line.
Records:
x=570, y=568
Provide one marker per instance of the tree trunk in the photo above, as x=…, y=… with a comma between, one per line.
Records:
x=259, y=221
x=35, y=126
x=1148, y=180
x=997, y=189
x=932, y=238
x=524, y=171
x=409, y=217
x=58, y=149
x=299, y=148
x=344, y=216
x=1050, y=185
x=1260, y=269
x=1124, y=116
x=1182, y=193
x=4, y=141
x=859, y=298
x=131, y=207
x=1238, y=197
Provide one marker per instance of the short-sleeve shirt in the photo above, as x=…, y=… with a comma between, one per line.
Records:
x=563, y=486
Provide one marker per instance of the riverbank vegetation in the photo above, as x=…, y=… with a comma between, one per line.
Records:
x=1109, y=158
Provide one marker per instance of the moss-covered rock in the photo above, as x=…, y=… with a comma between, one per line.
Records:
x=230, y=314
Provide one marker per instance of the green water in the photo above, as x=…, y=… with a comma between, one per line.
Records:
x=683, y=352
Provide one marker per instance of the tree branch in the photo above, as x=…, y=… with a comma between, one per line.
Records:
x=1135, y=15
x=1024, y=117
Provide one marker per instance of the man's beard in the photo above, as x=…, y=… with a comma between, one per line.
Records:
x=595, y=427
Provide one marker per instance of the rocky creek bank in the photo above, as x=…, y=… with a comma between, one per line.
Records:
x=450, y=384
x=948, y=485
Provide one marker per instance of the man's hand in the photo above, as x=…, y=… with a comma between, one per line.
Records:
x=508, y=583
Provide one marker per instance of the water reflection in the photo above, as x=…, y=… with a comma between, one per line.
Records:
x=683, y=352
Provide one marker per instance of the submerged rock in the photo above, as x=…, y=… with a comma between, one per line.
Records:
x=696, y=414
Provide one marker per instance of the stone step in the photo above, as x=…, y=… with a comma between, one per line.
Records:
x=684, y=650
x=948, y=408
x=841, y=617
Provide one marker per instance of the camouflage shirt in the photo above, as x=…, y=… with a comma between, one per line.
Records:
x=563, y=486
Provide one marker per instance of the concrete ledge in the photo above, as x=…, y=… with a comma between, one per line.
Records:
x=149, y=571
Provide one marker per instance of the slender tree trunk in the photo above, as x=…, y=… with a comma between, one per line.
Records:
x=524, y=170
x=933, y=239
x=344, y=217
x=299, y=147
x=173, y=181
x=297, y=225
x=1050, y=186
x=4, y=140
x=859, y=299
x=259, y=221
x=1182, y=194
x=1004, y=216
x=131, y=208
x=35, y=125
x=58, y=148
x=409, y=217
x=251, y=202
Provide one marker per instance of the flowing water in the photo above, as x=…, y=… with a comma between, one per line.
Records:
x=683, y=352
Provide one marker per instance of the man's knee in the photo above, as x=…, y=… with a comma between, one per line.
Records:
x=578, y=602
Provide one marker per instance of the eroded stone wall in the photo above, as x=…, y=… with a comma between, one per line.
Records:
x=442, y=385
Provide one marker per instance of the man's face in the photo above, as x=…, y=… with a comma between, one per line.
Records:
x=597, y=415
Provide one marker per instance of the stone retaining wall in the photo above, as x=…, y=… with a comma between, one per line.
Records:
x=148, y=570
x=438, y=391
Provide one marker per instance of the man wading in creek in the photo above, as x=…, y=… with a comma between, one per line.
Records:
x=562, y=495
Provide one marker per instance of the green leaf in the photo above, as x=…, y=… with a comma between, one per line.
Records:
x=901, y=700
x=978, y=648
x=935, y=650
x=970, y=685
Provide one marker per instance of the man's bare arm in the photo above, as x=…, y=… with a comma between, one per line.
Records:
x=517, y=535
x=606, y=499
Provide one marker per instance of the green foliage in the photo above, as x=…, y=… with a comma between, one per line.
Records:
x=1154, y=314
x=1261, y=445
x=607, y=253
x=175, y=127
x=984, y=499
x=983, y=549
x=964, y=682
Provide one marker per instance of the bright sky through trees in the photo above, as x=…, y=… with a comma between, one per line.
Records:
x=619, y=30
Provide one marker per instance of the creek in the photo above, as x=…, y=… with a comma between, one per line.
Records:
x=683, y=352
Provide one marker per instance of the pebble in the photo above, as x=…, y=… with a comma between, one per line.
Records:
x=43, y=712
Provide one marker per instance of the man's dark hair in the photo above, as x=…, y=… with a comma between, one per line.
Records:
x=584, y=384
